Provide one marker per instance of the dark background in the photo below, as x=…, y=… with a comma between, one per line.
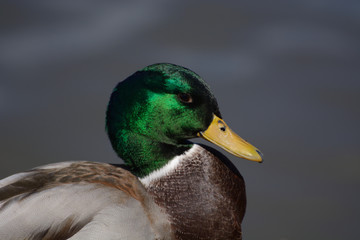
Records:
x=285, y=73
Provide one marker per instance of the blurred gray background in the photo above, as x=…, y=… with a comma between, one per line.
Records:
x=285, y=73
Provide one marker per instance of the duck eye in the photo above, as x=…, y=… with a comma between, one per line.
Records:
x=185, y=97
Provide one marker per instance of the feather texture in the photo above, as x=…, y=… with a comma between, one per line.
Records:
x=79, y=200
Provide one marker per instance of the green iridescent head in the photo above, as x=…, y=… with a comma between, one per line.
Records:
x=152, y=113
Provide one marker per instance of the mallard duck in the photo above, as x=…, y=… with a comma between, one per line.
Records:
x=169, y=187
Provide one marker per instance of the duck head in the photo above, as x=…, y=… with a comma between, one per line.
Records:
x=152, y=114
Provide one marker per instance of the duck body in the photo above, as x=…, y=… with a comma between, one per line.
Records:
x=170, y=188
x=69, y=201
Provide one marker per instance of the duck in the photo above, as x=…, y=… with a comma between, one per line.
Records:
x=168, y=186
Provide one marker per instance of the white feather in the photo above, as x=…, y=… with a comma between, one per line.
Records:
x=16, y=177
x=170, y=166
x=112, y=212
x=13, y=178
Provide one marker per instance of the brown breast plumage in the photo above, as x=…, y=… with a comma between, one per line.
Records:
x=203, y=196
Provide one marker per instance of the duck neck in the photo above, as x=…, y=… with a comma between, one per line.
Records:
x=143, y=155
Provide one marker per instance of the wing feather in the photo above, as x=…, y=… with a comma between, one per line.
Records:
x=80, y=200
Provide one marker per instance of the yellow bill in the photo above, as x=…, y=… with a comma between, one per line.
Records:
x=220, y=134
